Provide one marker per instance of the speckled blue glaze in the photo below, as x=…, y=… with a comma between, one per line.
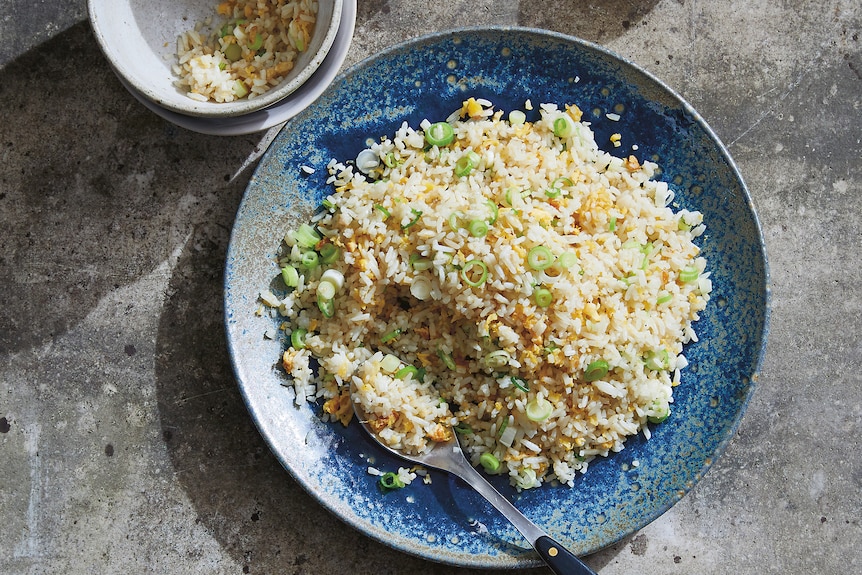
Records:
x=428, y=78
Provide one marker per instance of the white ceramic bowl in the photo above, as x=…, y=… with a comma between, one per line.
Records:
x=139, y=39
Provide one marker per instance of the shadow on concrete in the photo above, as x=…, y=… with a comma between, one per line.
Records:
x=95, y=189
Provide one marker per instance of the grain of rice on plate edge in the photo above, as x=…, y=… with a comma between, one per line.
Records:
x=251, y=50
x=501, y=278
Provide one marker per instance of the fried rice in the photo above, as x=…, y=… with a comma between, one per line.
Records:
x=252, y=49
x=514, y=284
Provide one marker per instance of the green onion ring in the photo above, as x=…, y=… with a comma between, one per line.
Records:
x=539, y=258
x=440, y=134
x=390, y=480
x=471, y=267
x=596, y=370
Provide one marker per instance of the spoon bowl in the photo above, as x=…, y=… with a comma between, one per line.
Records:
x=449, y=457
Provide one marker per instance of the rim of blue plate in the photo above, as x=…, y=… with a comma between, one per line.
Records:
x=236, y=329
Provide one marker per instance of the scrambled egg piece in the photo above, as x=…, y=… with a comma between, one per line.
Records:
x=341, y=407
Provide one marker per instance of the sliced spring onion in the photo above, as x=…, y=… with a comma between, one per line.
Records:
x=306, y=236
x=543, y=297
x=310, y=259
x=407, y=371
x=539, y=258
x=390, y=480
x=416, y=215
x=440, y=134
x=455, y=221
x=474, y=273
x=419, y=263
x=683, y=225
x=517, y=117
x=660, y=416
x=539, y=409
x=688, y=274
x=665, y=297
x=553, y=193
x=367, y=160
x=391, y=336
x=466, y=163
x=612, y=224
x=489, y=462
x=462, y=428
x=507, y=196
x=390, y=160
x=478, y=228
x=326, y=290
x=300, y=42
x=446, y=358
x=382, y=210
x=657, y=360
x=326, y=307
x=507, y=435
x=564, y=126
x=329, y=253
x=290, y=276
x=503, y=426
x=627, y=280
x=327, y=203
x=257, y=43
x=239, y=89
x=297, y=338
x=495, y=212
x=390, y=363
x=497, y=359
x=550, y=348
x=233, y=52
x=567, y=260
x=421, y=288
x=596, y=370
x=227, y=29
x=520, y=383
x=334, y=277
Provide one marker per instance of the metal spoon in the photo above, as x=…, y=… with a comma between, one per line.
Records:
x=448, y=456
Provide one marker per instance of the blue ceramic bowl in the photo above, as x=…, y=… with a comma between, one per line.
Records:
x=429, y=77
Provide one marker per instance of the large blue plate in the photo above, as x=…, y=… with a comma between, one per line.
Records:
x=428, y=78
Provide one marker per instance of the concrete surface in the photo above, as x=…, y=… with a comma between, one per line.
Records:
x=124, y=444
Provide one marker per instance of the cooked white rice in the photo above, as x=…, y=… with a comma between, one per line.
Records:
x=251, y=50
x=625, y=285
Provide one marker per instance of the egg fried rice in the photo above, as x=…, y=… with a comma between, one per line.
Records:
x=498, y=278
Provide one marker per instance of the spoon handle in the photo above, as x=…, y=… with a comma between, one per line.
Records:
x=558, y=558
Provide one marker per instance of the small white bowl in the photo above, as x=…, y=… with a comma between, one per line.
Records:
x=139, y=39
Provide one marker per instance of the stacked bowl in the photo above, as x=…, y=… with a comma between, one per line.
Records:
x=225, y=67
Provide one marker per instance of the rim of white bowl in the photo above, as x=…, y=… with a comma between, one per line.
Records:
x=115, y=29
x=281, y=111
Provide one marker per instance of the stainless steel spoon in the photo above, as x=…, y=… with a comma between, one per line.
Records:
x=448, y=456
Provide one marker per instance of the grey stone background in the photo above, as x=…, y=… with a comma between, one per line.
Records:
x=124, y=443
